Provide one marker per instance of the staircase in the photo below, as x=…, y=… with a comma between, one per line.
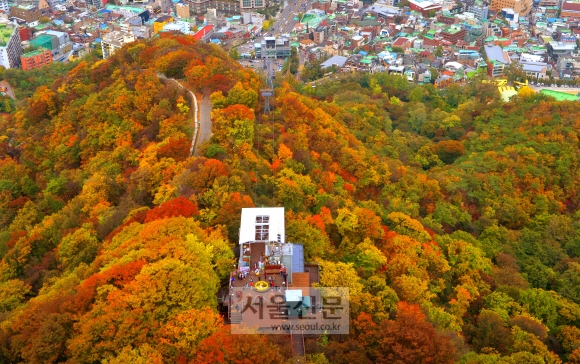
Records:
x=297, y=339
x=235, y=318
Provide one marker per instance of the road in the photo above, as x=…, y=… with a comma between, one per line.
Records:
x=201, y=126
x=285, y=22
x=193, y=107
x=205, y=124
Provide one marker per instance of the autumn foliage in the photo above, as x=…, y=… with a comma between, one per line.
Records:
x=451, y=216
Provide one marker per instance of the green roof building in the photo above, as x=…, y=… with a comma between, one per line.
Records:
x=44, y=41
x=559, y=96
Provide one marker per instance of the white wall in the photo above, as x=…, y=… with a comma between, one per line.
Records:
x=248, y=223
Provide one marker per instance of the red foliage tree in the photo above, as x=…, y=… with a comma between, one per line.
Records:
x=177, y=149
x=410, y=339
x=179, y=206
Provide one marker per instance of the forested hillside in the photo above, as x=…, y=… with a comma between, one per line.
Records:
x=452, y=216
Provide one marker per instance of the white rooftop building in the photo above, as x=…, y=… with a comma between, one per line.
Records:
x=262, y=224
x=180, y=26
x=115, y=40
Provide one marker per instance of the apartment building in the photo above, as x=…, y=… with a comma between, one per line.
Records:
x=182, y=10
x=10, y=47
x=252, y=4
x=522, y=7
x=36, y=59
x=453, y=34
x=28, y=13
x=115, y=40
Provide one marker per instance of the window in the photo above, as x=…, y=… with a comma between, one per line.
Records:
x=262, y=219
x=262, y=228
x=262, y=232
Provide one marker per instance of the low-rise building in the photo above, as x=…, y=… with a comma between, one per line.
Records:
x=497, y=59
x=178, y=26
x=25, y=33
x=570, y=9
x=479, y=10
x=182, y=11
x=205, y=33
x=160, y=22
x=559, y=49
x=58, y=43
x=28, y=13
x=273, y=47
x=425, y=7
x=453, y=34
x=36, y=59
x=115, y=40
x=95, y=4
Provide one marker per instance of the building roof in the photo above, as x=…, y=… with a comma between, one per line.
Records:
x=293, y=295
x=25, y=7
x=559, y=96
x=455, y=65
x=275, y=223
x=202, y=32
x=339, y=61
x=526, y=67
x=34, y=53
x=163, y=19
x=571, y=5
x=496, y=53
x=400, y=42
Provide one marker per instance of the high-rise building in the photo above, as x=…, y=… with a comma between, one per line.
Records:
x=10, y=47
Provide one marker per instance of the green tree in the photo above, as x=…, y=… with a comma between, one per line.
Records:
x=78, y=247
x=491, y=332
x=234, y=54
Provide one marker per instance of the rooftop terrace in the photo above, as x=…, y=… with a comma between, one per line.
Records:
x=34, y=53
x=5, y=33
